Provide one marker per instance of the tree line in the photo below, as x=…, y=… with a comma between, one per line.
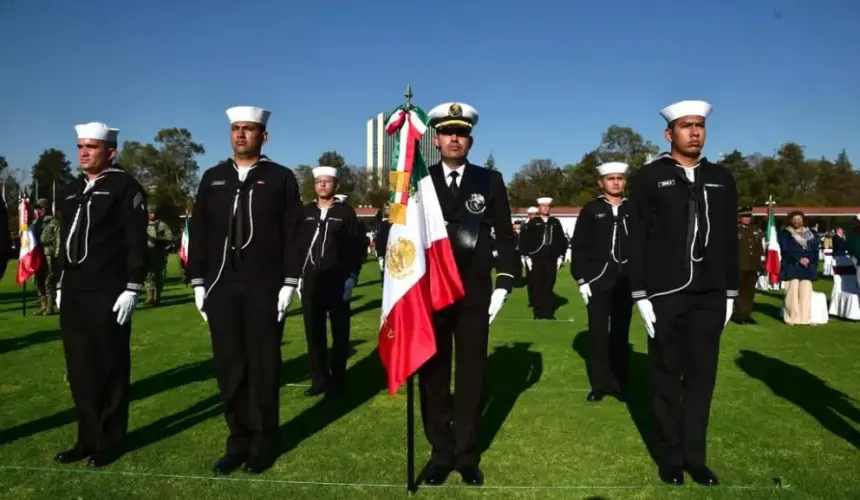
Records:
x=168, y=170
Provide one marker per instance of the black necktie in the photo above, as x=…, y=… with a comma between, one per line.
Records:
x=455, y=189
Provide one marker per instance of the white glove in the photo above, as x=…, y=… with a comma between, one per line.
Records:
x=285, y=297
x=381, y=263
x=585, y=291
x=59, y=294
x=299, y=288
x=730, y=305
x=529, y=263
x=646, y=310
x=124, y=306
x=348, y=285
x=560, y=262
x=199, y=297
x=496, y=301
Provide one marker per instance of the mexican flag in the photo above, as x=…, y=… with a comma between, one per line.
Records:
x=771, y=263
x=30, y=257
x=420, y=272
x=183, y=246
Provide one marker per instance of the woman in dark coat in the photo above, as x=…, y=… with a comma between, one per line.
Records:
x=799, y=247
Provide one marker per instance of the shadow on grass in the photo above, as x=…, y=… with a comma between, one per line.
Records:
x=292, y=371
x=510, y=371
x=639, y=393
x=11, y=344
x=364, y=380
x=832, y=409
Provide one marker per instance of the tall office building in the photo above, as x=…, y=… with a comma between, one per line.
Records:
x=379, y=147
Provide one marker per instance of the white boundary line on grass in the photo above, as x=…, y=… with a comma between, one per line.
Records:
x=363, y=485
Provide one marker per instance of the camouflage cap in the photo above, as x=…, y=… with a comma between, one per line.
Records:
x=152, y=208
x=43, y=203
x=745, y=211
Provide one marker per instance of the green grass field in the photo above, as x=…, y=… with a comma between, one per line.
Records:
x=785, y=421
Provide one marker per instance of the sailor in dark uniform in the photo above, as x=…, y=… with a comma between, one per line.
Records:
x=5, y=242
x=683, y=268
x=599, y=257
x=474, y=201
x=383, y=228
x=543, y=245
x=103, y=264
x=526, y=263
x=244, y=266
x=332, y=251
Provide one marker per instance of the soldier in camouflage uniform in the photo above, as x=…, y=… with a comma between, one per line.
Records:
x=159, y=237
x=46, y=230
x=751, y=252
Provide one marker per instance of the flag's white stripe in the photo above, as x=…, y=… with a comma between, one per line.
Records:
x=434, y=223
x=412, y=231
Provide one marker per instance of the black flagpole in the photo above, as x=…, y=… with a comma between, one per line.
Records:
x=411, y=486
x=24, y=300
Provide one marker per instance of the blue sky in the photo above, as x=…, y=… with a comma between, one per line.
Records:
x=547, y=76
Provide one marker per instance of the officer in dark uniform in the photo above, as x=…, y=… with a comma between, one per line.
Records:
x=544, y=244
x=749, y=263
x=332, y=248
x=683, y=268
x=103, y=263
x=599, y=257
x=244, y=265
x=474, y=200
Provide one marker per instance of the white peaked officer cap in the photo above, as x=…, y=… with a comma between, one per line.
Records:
x=857, y=216
x=97, y=131
x=613, y=167
x=686, y=108
x=532, y=210
x=340, y=197
x=544, y=201
x=325, y=171
x=248, y=114
x=453, y=114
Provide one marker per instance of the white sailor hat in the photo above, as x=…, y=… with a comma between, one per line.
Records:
x=325, y=171
x=544, y=201
x=685, y=108
x=340, y=197
x=613, y=167
x=532, y=210
x=857, y=216
x=453, y=114
x=97, y=131
x=248, y=114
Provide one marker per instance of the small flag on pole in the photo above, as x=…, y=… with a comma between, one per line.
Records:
x=186, y=239
x=771, y=263
x=30, y=257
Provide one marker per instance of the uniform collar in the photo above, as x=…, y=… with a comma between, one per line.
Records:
x=603, y=197
x=447, y=170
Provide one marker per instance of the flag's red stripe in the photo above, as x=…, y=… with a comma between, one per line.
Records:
x=29, y=264
x=771, y=265
x=445, y=285
x=406, y=339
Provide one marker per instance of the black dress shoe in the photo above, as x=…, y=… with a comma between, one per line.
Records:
x=703, y=475
x=595, y=396
x=622, y=396
x=228, y=464
x=672, y=475
x=73, y=455
x=259, y=464
x=472, y=475
x=436, y=475
x=102, y=459
x=316, y=390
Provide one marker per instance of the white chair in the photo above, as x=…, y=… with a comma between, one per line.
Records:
x=845, y=296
